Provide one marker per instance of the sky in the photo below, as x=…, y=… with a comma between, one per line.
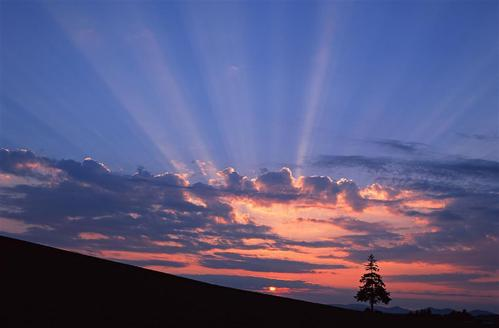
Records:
x=258, y=144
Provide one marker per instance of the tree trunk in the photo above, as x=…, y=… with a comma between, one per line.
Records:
x=372, y=306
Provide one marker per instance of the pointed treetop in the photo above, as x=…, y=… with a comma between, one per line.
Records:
x=371, y=264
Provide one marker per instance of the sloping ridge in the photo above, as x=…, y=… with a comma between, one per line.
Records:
x=42, y=286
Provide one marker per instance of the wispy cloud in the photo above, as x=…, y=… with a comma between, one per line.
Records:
x=491, y=137
x=400, y=146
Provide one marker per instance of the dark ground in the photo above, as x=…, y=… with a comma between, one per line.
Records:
x=46, y=287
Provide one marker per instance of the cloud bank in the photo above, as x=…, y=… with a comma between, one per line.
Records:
x=294, y=232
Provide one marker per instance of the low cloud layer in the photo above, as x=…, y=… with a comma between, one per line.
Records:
x=440, y=215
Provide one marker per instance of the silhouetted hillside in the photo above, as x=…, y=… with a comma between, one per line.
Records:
x=43, y=286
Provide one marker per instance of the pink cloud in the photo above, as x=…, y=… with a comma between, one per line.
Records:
x=19, y=226
x=92, y=236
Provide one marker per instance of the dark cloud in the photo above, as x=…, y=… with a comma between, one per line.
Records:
x=317, y=244
x=358, y=225
x=351, y=193
x=438, y=278
x=480, y=136
x=477, y=255
x=371, y=163
x=399, y=146
x=463, y=231
x=237, y=261
x=236, y=182
x=427, y=168
x=399, y=253
x=321, y=187
x=466, y=231
x=465, y=281
x=372, y=233
x=280, y=182
x=370, y=240
x=25, y=163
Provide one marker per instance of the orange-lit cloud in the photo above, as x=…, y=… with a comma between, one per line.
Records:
x=302, y=235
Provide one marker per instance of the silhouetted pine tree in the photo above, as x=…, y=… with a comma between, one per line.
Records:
x=372, y=289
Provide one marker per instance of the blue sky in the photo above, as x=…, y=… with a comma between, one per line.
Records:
x=247, y=84
x=281, y=142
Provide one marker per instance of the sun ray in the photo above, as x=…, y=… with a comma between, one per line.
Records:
x=315, y=88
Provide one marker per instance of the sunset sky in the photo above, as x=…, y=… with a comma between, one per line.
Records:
x=260, y=144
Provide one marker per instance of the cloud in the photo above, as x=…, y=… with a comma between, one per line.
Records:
x=399, y=146
x=424, y=169
x=235, y=182
x=370, y=163
x=19, y=227
x=473, y=255
x=370, y=233
x=490, y=137
x=351, y=193
x=322, y=187
x=92, y=236
x=435, y=278
x=281, y=186
x=229, y=260
x=90, y=203
x=281, y=182
x=474, y=282
x=85, y=206
x=358, y=225
x=25, y=163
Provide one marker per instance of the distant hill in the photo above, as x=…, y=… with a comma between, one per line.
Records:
x=477, y=313
x=363, y=307
x=45, y=287
x=401, y=310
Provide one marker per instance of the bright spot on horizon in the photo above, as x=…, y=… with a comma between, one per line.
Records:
x=272, y=289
